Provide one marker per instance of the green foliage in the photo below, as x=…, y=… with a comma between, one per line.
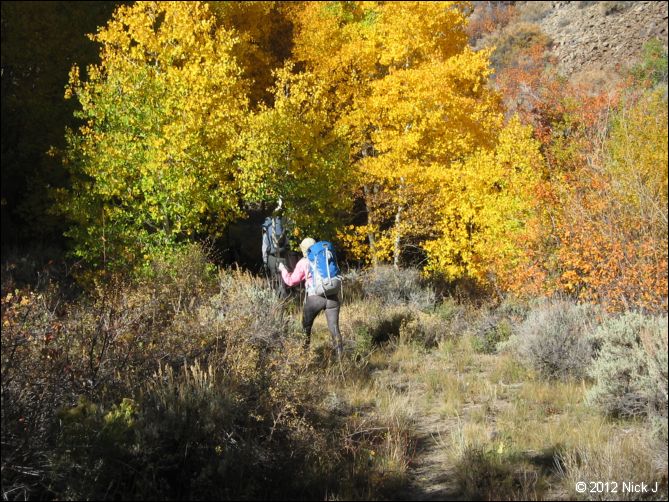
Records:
x=636, y=161
x=447, y=309
x=653, y=65
x=631, y=366
x=180, y=278
x=491, y=332
x=497, y=326
x=453, y=318
x=90, y=449
x=364, y=343
x=152, y=163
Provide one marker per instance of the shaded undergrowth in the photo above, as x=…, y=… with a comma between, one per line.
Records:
x=192, y=383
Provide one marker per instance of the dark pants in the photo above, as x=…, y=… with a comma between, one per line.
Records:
x=275, y=275
x=312, y=307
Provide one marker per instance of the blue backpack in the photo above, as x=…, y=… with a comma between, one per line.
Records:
x=324, y=269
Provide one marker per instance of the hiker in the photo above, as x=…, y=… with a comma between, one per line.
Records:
x=322, y=293
x=275, y=249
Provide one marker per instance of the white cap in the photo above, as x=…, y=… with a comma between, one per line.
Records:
x=306, y=244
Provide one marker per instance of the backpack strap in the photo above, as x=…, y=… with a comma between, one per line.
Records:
x=313, y=270
x=327, y=261
x=273, y=238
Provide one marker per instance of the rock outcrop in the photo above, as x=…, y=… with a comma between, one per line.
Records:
x=591, y=36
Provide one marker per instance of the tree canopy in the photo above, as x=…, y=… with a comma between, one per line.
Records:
x=376, y=123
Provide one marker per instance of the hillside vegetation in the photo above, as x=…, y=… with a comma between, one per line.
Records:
x=502, y=230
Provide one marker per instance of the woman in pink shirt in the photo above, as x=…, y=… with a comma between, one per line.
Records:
x=314, y=303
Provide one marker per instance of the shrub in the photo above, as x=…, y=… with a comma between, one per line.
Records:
x=383, y=323
x=453, y=318
x=496, y=325
x=631, y=366
x=514, y=40
x=434, y=330
x=192, y=434
x=607, y=8
x=414, y=330
x=91, y=452
x=389, y=324
x=488, y=17
x=398, y=287
x=104, y=397
x=653, y=64
x=492, y=331
x=180, y=279
x=533, y=12
x=352, y=287
x=554, y=339
x=247, y=307
x=35, y=380
x=364, y=343
x=514, y=309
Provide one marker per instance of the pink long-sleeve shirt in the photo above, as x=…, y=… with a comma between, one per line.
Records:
x=300, y=273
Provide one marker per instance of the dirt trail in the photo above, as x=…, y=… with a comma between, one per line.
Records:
x=430, y=478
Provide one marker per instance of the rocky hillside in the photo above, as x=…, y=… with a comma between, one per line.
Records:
x=601, y=35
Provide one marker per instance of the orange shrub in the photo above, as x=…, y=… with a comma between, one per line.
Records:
x=601, y=226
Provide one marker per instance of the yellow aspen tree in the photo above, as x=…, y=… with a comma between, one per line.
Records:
x=485, y=204
x=162, y=113
x=413, y=102
x=292, y=151
x=263, y=31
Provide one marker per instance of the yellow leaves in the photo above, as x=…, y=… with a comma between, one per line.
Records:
x=73, y=82
x=415, y=31
x=353, y=239
x=162, y=116
x=484, y=205
x=391, y=97
x=637, y=162
x=407, y=91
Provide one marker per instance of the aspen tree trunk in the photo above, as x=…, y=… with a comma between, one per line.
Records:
x=398, y=215
x=368, y=150
x=398, y=233
x=370, y=234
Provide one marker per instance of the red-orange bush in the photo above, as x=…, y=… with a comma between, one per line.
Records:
x=600, y=230
x=489, y=17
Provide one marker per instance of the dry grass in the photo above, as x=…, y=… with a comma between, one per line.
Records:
x=262, y=409
x=505, y=432
x=617, y=457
